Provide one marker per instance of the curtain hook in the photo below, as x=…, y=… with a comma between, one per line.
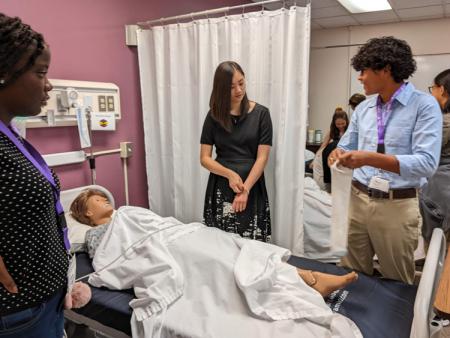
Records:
x=243, y=12
x=262, y=9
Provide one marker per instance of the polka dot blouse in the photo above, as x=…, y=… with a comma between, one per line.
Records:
x=31, y=243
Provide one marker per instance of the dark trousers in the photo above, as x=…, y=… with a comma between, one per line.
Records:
x=42, y=321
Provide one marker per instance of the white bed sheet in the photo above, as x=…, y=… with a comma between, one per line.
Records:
x=317, y=223
x=227, y=289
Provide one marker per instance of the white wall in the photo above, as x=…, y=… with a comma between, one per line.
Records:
x=330, y=77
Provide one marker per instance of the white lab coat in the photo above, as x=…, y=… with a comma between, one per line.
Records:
x=194, y=281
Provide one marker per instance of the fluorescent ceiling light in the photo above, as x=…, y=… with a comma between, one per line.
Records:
x=363, y=6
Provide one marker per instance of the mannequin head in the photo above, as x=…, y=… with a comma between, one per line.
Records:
x=91, y=207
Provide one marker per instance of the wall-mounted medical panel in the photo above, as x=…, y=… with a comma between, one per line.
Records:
x=69, y=95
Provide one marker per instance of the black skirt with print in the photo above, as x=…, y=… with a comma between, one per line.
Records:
x=254, y=221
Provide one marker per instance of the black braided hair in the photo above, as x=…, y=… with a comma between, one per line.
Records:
x=16, y=40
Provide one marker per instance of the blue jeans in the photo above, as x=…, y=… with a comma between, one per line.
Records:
x=42, y=321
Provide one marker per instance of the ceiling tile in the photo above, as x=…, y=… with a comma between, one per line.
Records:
x=315, y=25
x=328, y=12
x=383, y=16
x=338, y=21
x=398, y=4
x=323, y=3
x=421, y=13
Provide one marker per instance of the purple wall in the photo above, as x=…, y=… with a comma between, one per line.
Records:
x=87, y=40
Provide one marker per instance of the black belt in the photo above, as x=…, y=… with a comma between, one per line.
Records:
x=396, y=193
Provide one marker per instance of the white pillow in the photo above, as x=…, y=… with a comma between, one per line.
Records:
x=77, y=230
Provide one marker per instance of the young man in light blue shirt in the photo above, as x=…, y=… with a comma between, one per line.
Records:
x=393, y=143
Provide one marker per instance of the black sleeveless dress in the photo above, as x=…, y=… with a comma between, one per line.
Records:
x=237, y=151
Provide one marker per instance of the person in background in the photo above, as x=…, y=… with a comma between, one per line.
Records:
x=434, y=199
x=33, y=236
x=393, y=143
x=321, y=170
x=355, y=100
x=339, y=125
x=236, y=198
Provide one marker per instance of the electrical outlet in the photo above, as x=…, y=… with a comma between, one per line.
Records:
x=110, y=102
x=102, y=103
x=126, y=149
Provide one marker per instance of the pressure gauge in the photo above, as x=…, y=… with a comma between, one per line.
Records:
x=72, y=96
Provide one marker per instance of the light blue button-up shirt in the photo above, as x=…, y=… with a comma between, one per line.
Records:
x=413, y=134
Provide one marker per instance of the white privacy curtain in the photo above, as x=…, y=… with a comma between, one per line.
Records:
x=177, y=64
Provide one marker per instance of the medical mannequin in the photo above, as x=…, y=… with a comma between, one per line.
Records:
x=92, y=207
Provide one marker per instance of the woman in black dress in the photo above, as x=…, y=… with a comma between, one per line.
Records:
x=241, y=130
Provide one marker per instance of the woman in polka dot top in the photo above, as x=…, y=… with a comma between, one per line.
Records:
x=33, y=258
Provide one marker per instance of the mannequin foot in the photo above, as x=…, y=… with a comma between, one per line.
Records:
x=325, y=283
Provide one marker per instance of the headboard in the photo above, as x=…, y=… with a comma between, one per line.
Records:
x=67, y=196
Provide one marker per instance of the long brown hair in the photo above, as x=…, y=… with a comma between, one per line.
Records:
x=339, y=113
x=220, y=101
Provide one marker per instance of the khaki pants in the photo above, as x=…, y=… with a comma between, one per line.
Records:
x=388, y=228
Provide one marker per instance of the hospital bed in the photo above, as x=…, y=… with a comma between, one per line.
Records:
x=380, y=308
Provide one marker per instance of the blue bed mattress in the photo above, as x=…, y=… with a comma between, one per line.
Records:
x=380, y=308
x=107, y=307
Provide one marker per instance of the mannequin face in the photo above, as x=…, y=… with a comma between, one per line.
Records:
x=98, y=207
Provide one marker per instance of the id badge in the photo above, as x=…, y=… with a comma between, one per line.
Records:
x=379, y=183
x=71, y=273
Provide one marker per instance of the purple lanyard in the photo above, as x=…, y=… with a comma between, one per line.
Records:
x=382, y=117
x=36, y=159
